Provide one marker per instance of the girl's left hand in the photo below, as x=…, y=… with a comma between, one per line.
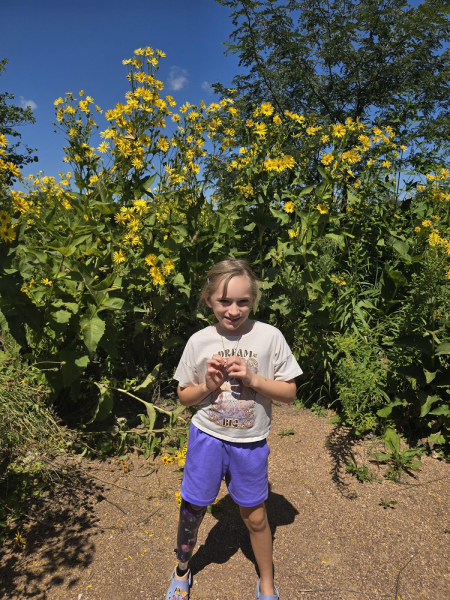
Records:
x=237, y=367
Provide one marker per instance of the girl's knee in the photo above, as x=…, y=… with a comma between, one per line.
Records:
x=254, y=517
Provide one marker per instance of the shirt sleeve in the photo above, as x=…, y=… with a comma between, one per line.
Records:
x=285, y=365
x=186, y=371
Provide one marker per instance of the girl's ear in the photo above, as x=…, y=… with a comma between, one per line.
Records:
x=208, y=301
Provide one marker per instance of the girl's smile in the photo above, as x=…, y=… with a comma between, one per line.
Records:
x=232, y=310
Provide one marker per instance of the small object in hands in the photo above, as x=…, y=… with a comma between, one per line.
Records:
x=225, y=364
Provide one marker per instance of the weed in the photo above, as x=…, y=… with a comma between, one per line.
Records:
x=318, y=410
x=387, y=503
x=286, y=432
x=361, y=473
x=396, y=460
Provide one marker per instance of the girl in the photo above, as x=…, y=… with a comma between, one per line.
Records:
x=232, y=370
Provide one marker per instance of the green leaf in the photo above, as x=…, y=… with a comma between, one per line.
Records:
x=443, y=348
x=426, y=401
x=281, y=215
x=337, y=419
x=92, y=330
x=151, y=412
x=403, y=249
x=436, y=438
x=441, y=410
x=113, y=303
x=173, y=341
x=105, y=403
x=61, y=316
x=151, y=377
x=75, y=364
x=392, y=440
x=148, y=182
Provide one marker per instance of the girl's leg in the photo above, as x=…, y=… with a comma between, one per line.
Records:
x=255, y=518
x=190, y=520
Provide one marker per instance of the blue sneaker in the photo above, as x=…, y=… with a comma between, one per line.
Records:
x=179, y=588
x=263, y=596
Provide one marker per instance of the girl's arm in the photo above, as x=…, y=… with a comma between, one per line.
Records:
x=214, y=377
x=280, y=391
x=193, y=394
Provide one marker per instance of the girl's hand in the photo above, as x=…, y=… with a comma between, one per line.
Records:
x=237, y=367
x=215, y=373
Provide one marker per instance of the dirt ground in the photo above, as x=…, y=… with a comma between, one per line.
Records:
x=113, y=537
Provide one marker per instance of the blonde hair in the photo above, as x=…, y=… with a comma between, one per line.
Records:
x=224, y=271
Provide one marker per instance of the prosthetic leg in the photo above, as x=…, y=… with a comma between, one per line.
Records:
x=190, y=520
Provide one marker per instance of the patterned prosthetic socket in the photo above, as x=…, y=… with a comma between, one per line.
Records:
x=190, y=521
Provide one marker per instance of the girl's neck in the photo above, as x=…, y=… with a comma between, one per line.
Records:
x=245, y=328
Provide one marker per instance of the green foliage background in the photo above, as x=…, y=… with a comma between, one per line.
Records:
x=100, y=271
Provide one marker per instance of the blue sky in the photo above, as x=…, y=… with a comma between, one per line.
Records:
x=56, y=47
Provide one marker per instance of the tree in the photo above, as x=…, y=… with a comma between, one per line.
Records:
x=369, y=60
x=12, y=116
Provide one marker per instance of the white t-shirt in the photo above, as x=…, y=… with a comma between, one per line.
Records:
x=234, y=412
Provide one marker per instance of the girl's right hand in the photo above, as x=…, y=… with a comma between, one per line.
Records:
x=215, y=372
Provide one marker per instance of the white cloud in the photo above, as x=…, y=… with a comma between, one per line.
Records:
x=207, y=87
x=177, y=78
x=25, y=103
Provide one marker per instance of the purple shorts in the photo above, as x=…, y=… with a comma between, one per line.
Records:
x=209, y=460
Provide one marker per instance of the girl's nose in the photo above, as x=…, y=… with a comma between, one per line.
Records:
x=233, y=310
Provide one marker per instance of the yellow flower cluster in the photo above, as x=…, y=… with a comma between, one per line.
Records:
x=280, y=163
x=179, y=456
x=338, y=280
x=7, y=167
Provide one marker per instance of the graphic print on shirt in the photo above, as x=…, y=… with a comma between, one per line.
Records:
x=233, y=404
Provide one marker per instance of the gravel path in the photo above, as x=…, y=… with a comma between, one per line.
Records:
x=333, y=540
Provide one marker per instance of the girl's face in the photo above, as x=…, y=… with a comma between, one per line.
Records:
x=232, y=310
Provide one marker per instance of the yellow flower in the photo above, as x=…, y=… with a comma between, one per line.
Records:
x=81, y=92
x=313, y=130
x=151, y=259
x=420, y=188
x=46, y=281
x=168, y=266
x=163, y=144
x=294, y=232
x=322, y=208
x=426, y=223
x=327, y=159
x=104, y=147
x=58, y=102
x=351, y=156
x=277, y=120
x=289, y=207
x=260, y=130
x=158, y=279
x=7, y=234
x=266, y=109
x=386, y=163
x=119, y=257
x=4, y=217
x=435, y=239
x=3, y=141
x=288, y=162
x=121, y=218
x=417, y=229
x=338, y=130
